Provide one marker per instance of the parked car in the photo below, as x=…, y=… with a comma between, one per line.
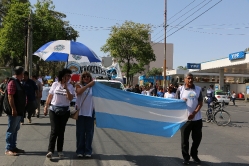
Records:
x=112, y=83
x=220, y=96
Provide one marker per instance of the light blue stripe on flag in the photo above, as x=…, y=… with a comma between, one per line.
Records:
x=117, y=109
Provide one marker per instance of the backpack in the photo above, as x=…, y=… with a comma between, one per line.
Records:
x=6, y=106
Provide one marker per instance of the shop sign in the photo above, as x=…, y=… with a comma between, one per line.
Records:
x=237, y=55
x=193, y=66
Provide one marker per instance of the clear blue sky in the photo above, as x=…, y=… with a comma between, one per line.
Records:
x=222, y=30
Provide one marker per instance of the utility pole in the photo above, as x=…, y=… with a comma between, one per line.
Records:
x=29, y=45
x=165, y=46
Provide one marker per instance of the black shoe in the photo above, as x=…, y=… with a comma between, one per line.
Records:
x=185, y=162
x=196, y=160
x=37, y=116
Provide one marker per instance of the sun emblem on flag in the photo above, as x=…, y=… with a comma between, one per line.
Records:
x=76, y=57
x=59, y=47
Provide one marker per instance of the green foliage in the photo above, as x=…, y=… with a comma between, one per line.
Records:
x=11, y=35
x=130, y=45
x=182, y=68
x=47, y=25
x=154, y=72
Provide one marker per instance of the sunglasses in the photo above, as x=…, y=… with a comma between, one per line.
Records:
x=85, y=76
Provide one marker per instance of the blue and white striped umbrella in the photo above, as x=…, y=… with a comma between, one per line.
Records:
x=66, y=50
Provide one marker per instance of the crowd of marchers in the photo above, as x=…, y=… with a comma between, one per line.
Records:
x=155, y=90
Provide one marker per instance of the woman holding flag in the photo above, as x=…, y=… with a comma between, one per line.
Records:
x=85, y=122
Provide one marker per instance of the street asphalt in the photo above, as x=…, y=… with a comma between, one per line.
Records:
x=221, y=145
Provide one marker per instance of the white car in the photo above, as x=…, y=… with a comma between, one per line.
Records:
x=112, y=83
x=222, y=96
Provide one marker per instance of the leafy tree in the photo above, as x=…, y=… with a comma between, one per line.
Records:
x=130, y=45
x=154, y=72
x=12, y=42
x=182, y=68
x=48, y=25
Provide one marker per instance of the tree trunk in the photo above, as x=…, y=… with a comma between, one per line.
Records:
x=128, y=71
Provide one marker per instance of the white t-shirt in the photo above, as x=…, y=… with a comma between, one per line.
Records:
x=144, y=92
x=192, y=96
x=86, y=109
x=40, y=79
x=59, y=94
x=169, y=95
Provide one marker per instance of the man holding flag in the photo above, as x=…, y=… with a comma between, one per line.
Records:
x=193, y=96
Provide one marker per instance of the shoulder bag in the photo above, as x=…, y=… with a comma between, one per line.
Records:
x=75, y=113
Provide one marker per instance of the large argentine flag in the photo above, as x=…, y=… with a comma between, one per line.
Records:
x=117, y=109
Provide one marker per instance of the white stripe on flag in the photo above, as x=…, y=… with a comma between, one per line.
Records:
x=130, y=110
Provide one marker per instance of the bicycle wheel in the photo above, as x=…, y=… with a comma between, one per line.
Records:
x=209, y=115
x=222, y=118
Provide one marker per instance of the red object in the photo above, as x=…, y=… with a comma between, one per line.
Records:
x=75, y=77
x=240, y=96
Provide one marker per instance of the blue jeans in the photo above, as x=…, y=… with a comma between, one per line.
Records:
x=11, y=134
x=84, y=134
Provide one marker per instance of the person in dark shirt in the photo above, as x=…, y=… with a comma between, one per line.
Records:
x=31, y=90
x=136, y=89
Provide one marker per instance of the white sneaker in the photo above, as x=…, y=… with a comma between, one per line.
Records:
x=49, y=155
x=60, y=154
x=88, y=156
x=80, y=155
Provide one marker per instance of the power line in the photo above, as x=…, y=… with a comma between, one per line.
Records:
x=226, y=28
x=213, y=33
x=188, y=16
x=192, y=14
x=173, y=17
x=190, y=21
x=195, y=18
x=189, y=11
x=181, y=10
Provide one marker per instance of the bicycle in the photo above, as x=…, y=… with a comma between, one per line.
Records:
x=217, y=114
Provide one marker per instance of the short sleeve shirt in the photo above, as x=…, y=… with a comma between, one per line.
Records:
x=59, y=94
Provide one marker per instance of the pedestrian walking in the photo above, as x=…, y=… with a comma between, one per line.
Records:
x=14, y=107
x=192, y=94
x=85, y=122
x=2, y=92
x=58, y=101
x=38, y=95
x=233, y=97
x=31, y=91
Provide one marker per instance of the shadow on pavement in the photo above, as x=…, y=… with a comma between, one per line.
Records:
x=42, y=124
x=155, y=160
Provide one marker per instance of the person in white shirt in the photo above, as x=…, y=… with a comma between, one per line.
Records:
x=40, y=79
x=60, y=95
x=192, y=94
x=143, y=91
x=170, y=94
x=85, y=122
